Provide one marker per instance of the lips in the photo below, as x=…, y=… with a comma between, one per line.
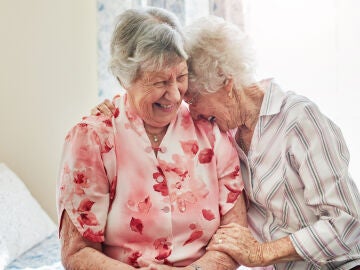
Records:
x=166, y=107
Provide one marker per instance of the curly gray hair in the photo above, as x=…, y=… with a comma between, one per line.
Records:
x=147, y=39
x=218, y=50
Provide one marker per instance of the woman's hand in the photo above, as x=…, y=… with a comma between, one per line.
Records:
x=105, y=107
x=239, y=243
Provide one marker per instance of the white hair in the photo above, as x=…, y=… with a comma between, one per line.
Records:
x=147, y=39
x=218, y=50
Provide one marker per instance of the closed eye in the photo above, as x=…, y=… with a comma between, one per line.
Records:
x=159, y=83
x=182, y=77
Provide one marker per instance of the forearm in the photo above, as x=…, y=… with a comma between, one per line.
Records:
x=237, y=214
x=214, y=260
x=78, y=253
x=89, y=258
x=278, y=251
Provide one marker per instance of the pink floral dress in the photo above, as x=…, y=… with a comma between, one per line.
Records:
x=165, y=208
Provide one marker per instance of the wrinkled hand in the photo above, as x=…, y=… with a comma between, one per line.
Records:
x=106, y=108
x=239, y=243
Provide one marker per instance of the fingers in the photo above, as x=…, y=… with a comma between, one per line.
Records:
x=104, y=109
x=233, y=229
x=95, y=111
x=110, y=105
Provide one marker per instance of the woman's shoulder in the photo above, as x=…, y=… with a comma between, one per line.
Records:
x=300, y=109
x=298, y=102
x=102, y=122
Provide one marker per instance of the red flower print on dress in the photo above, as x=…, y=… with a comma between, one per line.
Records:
x=161, y=185
x=166, y=262
x=136, y=225
x=236, y=172
x=144, y=206
x=163, y=247
x=87, y=218
x=80, y=180
x=208, y=214
x=132, y=259
x=190, y=147
x=116, y=113
x=194, y=235
x=85, y=205
x=94, y=236
x=206, y=155
x=113, y=189
x=107, y=146
x=82, y=125
x=108, y=122
x=192, y=226
x=233, y=194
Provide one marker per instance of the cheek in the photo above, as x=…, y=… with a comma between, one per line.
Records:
x=144, y=108
x=183, y=88
x=141, y=102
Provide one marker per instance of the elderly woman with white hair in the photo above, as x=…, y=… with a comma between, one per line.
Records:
x=304, y=208
x=147, y=186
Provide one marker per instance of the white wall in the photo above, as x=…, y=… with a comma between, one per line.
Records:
x=48, y=80
x=313, y=48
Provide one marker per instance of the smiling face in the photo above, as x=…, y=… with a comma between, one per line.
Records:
x=156, y=96
x=219, y=107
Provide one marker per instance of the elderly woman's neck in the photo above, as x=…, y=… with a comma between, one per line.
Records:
x=152, y=130
x=250, y=100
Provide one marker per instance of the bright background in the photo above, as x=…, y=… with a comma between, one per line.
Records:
x=312, y=47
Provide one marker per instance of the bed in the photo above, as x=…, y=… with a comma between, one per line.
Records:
x=28, y=236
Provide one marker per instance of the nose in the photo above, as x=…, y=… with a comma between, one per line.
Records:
x=173, y=92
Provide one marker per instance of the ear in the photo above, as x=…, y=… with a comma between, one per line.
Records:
x=228, y=86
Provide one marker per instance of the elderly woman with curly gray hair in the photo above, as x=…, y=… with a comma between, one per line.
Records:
x=303, y=206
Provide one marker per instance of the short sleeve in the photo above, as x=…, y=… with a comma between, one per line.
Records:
x=228, y=169
x=83, y=188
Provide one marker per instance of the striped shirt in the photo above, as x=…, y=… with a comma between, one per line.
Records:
x=297, y=180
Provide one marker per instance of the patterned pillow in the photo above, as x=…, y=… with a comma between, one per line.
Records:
x=23, y=222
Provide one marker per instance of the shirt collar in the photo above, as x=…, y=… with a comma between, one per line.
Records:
x=273, y=98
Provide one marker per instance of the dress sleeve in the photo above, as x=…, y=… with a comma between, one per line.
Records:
x=228, y=170
x=322, y=158
x=84, y=188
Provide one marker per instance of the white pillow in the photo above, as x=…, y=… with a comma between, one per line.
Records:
x=23, y=223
